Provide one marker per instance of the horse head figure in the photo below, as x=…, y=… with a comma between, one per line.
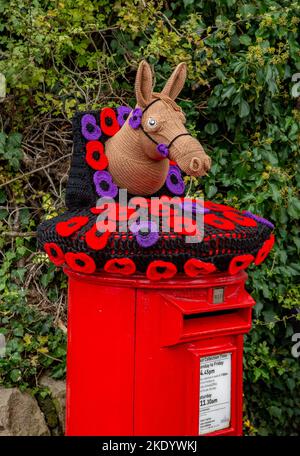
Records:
x=152, y=135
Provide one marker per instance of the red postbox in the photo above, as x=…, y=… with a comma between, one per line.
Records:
x=149, y=358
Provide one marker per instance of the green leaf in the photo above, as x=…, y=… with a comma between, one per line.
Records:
x=211, y=128
x=212, y=191
x=188, y=3
x=19, y=331
x=245, y=39
x=230, y=90
x=3, y=196
x=244, y=108
x=275, y=411
x=15, y=375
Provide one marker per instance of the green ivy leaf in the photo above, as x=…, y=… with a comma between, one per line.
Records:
x=244, y=108
x=211, y=128
x=245, y=39
x=16, y=375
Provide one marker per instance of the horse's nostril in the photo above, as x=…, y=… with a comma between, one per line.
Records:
x=195, y=164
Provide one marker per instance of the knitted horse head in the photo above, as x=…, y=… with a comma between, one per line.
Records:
x=154, y=133
x=139, y=149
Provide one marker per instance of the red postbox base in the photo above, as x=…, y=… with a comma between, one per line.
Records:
x=161, y=358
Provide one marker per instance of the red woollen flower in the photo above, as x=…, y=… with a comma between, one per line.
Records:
x=161, y=270
x=194, y=267
x=239, y=218
x=108, y=121
x=218, y=222
x=124, y=266
x=240, y=262
x=95, y=239
x=265, y=250
x=218, y=207
x=70, y=226
x=80, y=262
x=55, y=253
x=95, y=155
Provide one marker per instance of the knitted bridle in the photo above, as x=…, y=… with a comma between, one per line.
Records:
x=135, y=122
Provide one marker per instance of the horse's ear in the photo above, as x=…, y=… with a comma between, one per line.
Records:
x=176, y=82
x=143, y=84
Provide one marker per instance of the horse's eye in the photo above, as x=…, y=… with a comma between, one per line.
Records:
x=151, y=122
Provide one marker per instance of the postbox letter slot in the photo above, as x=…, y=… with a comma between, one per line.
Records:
x=206, y=323
x=210, y=314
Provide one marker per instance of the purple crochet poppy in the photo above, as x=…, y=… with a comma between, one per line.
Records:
x=147, y=234
x=136, y=118
x=194, y=207
x=123, y=113
x=89, y=128
x=259, y=219
x=174, y=181
x=104, y=184
x=163, y=150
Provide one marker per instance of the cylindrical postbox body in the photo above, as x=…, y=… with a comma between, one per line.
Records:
x=163, y=358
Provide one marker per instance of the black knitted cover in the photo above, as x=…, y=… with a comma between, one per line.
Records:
x=231, y=240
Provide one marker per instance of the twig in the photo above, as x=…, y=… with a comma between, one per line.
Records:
x=14, y=234
x=41, y=168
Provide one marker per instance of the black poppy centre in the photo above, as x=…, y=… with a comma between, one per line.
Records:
x=108, y=121
x=96, y=155
x=174, y=179
x=80, y=262
x=90, y=128
x=104, y=185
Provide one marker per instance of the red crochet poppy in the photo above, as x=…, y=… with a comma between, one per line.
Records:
x=95, y=239
x=72, y=225
x=80, y=262
x=218, y=207
x=218, y=222
x=55, y=253
x=124, y=266
x=161, y=270
x=265, y=250
x=194, y=267
x=240, y=262
x=239, y=218
x=97, y=210
x=108, y=121
x=95, y=155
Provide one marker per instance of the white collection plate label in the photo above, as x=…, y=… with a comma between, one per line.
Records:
x=215, y=393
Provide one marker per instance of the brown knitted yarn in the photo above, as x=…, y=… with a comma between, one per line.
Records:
x=134, y=162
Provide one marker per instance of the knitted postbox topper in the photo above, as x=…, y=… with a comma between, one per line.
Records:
x=145, y=151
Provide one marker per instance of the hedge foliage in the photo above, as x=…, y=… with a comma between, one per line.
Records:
x=59, y=56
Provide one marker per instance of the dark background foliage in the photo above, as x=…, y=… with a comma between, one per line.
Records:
x=59, y=56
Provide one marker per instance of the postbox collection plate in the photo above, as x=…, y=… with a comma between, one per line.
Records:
x=215, y=393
